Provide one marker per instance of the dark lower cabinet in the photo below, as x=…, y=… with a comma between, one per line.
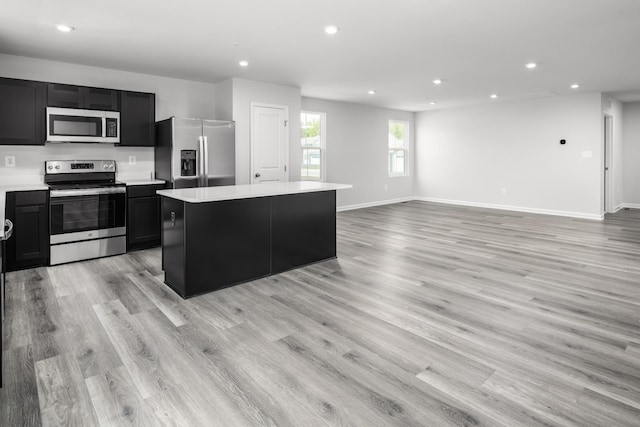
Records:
x=29, y=246
x=143, y=217
x=22, y=112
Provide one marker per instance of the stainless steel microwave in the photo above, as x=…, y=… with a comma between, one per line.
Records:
x=75, y=125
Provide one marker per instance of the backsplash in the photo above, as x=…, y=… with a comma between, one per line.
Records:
x=29, y=160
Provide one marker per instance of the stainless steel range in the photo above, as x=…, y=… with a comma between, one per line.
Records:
x=87, y=210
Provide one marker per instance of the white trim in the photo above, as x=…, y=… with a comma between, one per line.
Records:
x=598, y=217
x=372, y=204
x=617, y=208
x=323, y=144
x=569, y=214
x=406, y=149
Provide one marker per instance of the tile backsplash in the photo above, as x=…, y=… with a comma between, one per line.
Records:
x=29, y=160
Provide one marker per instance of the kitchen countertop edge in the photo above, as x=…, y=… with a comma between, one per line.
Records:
x=248, y=191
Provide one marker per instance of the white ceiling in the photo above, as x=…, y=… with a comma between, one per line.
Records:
x=397, y=47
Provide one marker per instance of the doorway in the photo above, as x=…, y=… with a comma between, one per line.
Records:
x=269, y=143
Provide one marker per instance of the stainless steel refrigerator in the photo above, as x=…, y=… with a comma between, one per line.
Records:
x=195, y=152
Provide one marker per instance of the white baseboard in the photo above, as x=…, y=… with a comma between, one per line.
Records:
x=582, y=215
x=372, y=204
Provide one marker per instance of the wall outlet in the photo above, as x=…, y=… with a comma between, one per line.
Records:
x=586, y=154
x=503, y=191
x=132, y=160
x=386, y=187
x=9, y=161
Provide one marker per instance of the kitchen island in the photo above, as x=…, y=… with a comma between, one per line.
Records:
x=215, y=237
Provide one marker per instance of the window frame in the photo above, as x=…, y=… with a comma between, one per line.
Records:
x=322, y=147
x=405, y=148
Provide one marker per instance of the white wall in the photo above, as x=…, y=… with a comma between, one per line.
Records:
x=357, y=151
x=467, y=155
x=631, y=149
x=244, y=93
x=174, y=97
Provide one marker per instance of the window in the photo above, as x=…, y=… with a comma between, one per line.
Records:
x=398, y=148
x=312, y=142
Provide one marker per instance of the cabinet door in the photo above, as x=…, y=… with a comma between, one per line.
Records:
x=29, y=245
x=100, y=99
x=65, y=96
x=143, y=222
x=137, y=119
x=22, y=108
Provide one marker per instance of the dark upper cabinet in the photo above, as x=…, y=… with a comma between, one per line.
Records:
x=90, y=98
x=29, y=245
x=22, y=112
x=137, y=119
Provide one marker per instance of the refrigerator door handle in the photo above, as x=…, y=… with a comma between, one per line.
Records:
x=201, y=161
x=206, y=162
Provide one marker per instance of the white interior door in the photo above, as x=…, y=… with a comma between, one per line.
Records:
x=269, y=143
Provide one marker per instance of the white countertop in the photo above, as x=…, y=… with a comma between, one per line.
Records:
x=15, y=187
x=248, y=191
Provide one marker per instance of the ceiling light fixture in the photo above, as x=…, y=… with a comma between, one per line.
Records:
x=243, y=63
x=432, y=103
x=494, y=95
x=331, y=29
x=437, y=81
x=575, y=86
x=371, y=92
x=531, y=65
x=64, y=28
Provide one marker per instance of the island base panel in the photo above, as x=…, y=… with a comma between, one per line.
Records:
x=228, y=242
x=173, y=244
x=303, y=229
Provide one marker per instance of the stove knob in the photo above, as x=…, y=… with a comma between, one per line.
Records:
x=57, y=166
x=50, y=167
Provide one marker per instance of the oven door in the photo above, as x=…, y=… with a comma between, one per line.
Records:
x=86, y=214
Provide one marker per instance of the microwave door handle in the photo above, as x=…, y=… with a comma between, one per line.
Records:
x=103, y=119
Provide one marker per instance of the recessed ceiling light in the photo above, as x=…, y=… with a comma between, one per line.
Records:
x=64, y=28
x=531, y=65
x=331, y=29
x=437, y=81
x=371, y=92
x=494, y=95
x=243, y=63
x=432, y=103
x=575, y=86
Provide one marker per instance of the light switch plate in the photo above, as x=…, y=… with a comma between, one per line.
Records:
x=9, y=161
x=132, y=160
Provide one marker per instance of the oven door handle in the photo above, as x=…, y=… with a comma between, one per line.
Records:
x=87, y=192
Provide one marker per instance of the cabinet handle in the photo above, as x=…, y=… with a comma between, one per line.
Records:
x=9, y=229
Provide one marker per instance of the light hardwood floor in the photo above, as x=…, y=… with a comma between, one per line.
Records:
x=431, y=315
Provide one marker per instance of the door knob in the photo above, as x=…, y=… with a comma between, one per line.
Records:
x=257, y=175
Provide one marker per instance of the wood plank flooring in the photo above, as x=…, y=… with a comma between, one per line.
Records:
x=432, y=315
